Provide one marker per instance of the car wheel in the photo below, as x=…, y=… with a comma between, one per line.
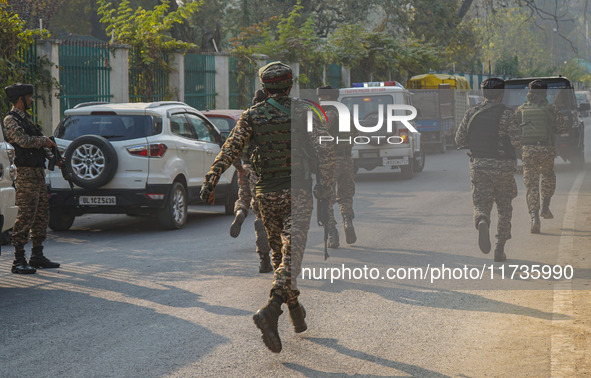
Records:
x=232, y=196
x=174, y=214
x=406, y=171
x=60, y=220
x=418, y=162
x=91, y=160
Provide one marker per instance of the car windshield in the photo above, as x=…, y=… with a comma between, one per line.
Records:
x=367, y=104
x=112, y=127
x=559, y=94
x=224, y=124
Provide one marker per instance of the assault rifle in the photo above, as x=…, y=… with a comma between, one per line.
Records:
x=322, y=216
x=58, y=160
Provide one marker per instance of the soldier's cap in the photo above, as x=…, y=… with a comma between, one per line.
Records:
x=17, y=90
x=493, y=83
x=275, y=75
x=327, y=91
x=538, y=84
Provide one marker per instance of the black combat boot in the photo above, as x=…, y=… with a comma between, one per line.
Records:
x=483, y=236
x=350, y=236
x=265, y=263
x=546, y=213
x=37, y=259
x=535, y=222
x=266, y=320
x=500, y=251
x=19, y=265
x=297, y=313
x=333, y=238
x=237, y=224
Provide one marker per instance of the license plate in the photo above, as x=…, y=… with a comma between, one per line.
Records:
x=98, y=200
x=389, y=162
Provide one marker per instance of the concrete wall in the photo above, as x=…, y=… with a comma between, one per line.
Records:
x=48, y=111
x=222, y=81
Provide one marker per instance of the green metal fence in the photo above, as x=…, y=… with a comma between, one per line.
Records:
x=242, y=87
x=200, y=81
x=147, y=84
x=84, y=72
x=333, y=76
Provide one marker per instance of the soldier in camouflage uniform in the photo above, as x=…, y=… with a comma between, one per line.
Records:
x=31, y=193
x=247, y=179
x=344, y=171
x=492, y=134
x=284, y=150
x=540, y=121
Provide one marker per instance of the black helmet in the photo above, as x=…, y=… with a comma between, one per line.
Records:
x=275, y=75
x=327, y=91
x=17, y=90
x=492, y=88
x=538, y=84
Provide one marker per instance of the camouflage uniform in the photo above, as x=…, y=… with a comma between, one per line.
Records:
x=539, y=159
x=31, y=191
x=492, y=179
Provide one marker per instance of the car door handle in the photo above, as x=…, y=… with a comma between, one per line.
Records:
x=184, y=149
x=208, y=151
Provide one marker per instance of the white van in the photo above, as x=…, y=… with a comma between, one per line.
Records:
x=382, y=151
x=8, y=208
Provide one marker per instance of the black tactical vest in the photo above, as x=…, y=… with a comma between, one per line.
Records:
x=483, y=131
x=27, y=157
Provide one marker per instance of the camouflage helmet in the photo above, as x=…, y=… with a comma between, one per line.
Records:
x=17, y=90
x=538, y=84
x=275, y=75
x=492, y=88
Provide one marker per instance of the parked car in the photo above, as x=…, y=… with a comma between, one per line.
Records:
x=8, y=209
x=583, y=97
x=224, y=119
x=569, y=146
x=135, y=158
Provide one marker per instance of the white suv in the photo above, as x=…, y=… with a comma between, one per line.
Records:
x=135, y=158
x=8, y=209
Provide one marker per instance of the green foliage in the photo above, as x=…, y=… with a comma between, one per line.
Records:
x=507, y=65
x=16, y=61
x=147, y=32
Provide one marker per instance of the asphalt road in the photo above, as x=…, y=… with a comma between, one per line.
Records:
x=132, y=300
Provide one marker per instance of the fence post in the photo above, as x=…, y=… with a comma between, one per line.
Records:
x=222, y=81
x=48, y=115
x=295, y=90
x=176, y=77
x=119, y=73
x=346, y=77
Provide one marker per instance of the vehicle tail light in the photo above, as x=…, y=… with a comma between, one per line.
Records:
x=403, y=134
x=155, y=196
x=154, y=150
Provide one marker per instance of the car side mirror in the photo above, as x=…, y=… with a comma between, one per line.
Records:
x=584, y=106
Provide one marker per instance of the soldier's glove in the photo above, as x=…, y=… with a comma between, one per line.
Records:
x=207, y=192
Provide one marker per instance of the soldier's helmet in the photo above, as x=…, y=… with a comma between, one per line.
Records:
x=276, y=75
x=493, y=87
x=538, y=85
x=327, y=91
x=17, y=90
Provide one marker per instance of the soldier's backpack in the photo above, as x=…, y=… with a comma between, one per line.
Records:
x=537, y=125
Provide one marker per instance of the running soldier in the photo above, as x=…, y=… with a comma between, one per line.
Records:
x=492, y=134
x=540, y=122
x=284, y=151
x=344, y=171
x=247, y=179
x=30, y=147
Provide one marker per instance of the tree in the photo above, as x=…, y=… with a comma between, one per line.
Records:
x=31, y=11
x=148, y=34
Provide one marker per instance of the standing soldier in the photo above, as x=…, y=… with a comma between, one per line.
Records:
x=492, y=134
x=344, y=171
x=283, y=154
x=246, y=199
x=540, y=122
x=31, y=193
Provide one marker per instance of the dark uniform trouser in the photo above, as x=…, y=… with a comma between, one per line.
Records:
x=33, y=207
x=345, y=181
x=493, y=186
x=247, y=199
x=538, y=160
x=286, y=219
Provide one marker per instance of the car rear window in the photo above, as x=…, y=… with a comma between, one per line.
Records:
x=223, y=124
x=558, y=93
x=111, y=127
